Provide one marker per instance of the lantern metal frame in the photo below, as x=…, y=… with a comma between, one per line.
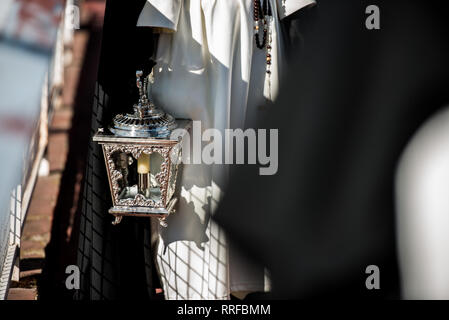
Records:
x=145, y=131
x=140, y=206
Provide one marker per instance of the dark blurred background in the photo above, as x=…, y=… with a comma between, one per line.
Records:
x=352, y=101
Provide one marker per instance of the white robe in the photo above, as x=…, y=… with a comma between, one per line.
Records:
x=210, y=70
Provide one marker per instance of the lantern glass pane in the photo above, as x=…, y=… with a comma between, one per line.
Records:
x=130, y=176
x=123, y=163
x=156, y=160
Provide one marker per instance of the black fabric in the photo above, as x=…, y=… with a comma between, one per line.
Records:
x=295, y=27
x=116, y=262
x=349, y=106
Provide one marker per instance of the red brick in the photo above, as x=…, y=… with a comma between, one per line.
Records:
x=62, y=119
x=57, y=151
x=33, y=228
x=30, y=273
x=44, y=198
x=72, y=72
x=22, y=294
x=47, y=187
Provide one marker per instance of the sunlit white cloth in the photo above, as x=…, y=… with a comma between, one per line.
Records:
x=422, y=181
x=209, y=70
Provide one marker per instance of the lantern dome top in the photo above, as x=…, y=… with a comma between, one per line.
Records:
x=147, y=119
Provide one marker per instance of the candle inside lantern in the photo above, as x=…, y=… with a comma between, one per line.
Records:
x=143, y=169
x=143, y=164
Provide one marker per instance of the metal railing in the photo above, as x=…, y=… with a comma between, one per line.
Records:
x=31, y=33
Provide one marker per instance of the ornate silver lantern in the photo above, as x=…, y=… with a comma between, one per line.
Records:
x=141, y=159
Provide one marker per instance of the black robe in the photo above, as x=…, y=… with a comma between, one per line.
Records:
x=348, y=108
x=116, y=262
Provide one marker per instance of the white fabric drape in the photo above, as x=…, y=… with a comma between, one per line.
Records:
x=209, y=70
